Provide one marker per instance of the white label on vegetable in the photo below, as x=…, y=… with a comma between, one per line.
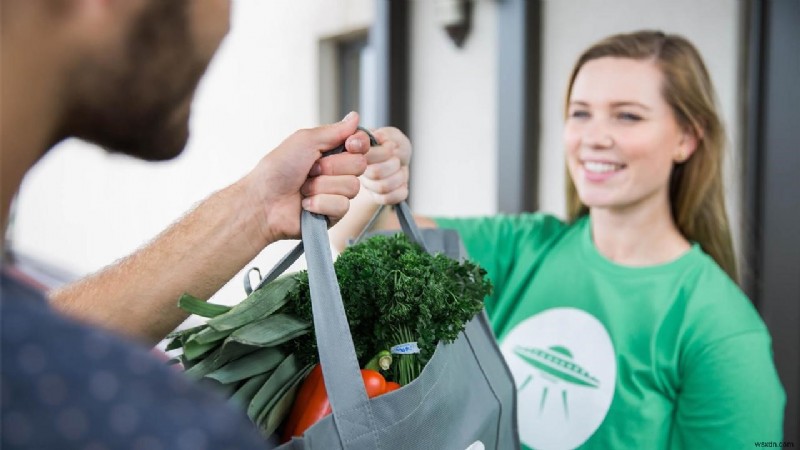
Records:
x=405, y=349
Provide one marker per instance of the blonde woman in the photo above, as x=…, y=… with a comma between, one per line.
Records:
x=624, y=326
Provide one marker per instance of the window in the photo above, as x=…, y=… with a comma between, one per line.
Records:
x=347, y=78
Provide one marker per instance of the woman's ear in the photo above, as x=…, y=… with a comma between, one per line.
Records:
x=687, y=145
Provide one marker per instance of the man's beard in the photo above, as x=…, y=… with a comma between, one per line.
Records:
x=139, y=104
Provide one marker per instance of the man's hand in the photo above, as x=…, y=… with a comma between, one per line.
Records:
x=294, y=174
x=198, y=254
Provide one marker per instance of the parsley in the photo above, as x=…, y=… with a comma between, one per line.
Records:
x=394, y=291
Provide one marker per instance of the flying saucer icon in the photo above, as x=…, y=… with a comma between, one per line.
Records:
x=557, y=361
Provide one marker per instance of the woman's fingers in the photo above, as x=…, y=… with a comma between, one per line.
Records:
x=383, y=169
x=391, y=198
x=380, y=153
x=388, y=184
x=396, y=142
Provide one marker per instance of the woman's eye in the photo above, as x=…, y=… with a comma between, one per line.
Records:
x=629, y=117
x=579, y=114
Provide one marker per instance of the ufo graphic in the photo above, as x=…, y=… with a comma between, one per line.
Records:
x=557, y=361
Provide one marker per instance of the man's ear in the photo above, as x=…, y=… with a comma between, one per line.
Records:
x=61, y=24
x=98, y=22
x=73, y=8
x=92, y=10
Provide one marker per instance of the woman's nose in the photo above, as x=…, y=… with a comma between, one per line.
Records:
x=597, y=136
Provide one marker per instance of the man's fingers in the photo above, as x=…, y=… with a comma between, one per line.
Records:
x=357, y=143
x=341, y=164
x=332, y=206
x=346, y=185
x=325, y=137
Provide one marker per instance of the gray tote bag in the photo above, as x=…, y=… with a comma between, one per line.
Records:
x=465, y=397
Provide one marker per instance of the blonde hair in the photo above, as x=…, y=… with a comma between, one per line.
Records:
x=696, y=192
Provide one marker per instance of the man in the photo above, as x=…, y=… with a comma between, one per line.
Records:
x=122, y=74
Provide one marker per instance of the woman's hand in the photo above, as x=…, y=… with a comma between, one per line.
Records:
x=384, y=182
x=386, y=176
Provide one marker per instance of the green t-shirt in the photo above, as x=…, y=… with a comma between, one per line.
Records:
x=672, y=356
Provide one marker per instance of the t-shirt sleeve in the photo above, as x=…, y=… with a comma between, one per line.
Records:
x=495, y=242
x=731, y=396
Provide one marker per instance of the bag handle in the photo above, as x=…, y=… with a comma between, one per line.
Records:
x=352, y=412
x=407, y=224
x=406, y=220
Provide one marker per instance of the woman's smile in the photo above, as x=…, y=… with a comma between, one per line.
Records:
x=599, y=170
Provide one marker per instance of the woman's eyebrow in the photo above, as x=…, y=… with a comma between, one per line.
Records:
x=616, y=104
x=629, y=103
x=578, y=103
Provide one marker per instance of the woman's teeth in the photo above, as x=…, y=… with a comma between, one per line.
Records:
x=601, y=167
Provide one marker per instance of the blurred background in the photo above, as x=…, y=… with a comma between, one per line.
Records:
x=478, y=85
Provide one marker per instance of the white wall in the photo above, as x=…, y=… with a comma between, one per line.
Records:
x=454, y=114
x=81, y=208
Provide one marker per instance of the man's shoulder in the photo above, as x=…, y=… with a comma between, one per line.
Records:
x=64, y=382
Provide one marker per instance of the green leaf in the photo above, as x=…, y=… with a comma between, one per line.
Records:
x=219, y=357
x=208, y=336
x=186, y=363
x=194, y=305
x=179, y=336
x=226, y=390
x=250, y=365
x=284, y=373
x=186, y=331
x=260, y=303
x=244, y=395
x=174, y=344
x=281, y=404
x=270, y=331
x=193, y=350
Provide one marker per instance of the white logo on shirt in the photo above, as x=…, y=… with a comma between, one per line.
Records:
x=565, y=369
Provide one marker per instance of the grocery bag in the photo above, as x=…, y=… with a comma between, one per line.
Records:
x=463, y=399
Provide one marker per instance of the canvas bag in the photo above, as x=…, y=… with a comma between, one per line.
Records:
x=465, y=397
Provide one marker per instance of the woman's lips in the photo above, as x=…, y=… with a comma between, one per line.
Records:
x=598, y=171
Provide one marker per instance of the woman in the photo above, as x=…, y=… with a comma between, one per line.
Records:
x=623, y=326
